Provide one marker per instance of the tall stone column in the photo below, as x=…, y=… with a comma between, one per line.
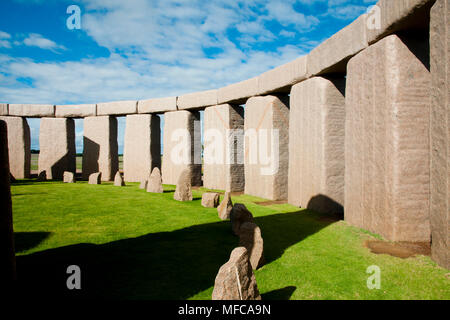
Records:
x=223, y=152
x=387, y=166
x=19, y=146
x=266, y=151
x=57, y=147
x=7, y=254
x=316, y=145
x=100, y=151
x=182, y=146
x=440, y=132
x=142, y=150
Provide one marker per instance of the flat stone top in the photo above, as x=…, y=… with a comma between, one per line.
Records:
x=3, y=109
x=31, y=110
x=117, y=108
x=197, y=100
x=75, y=111
x=157, y=105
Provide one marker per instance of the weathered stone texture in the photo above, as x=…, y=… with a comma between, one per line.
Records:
x=142, y=149
x=316, y=145
x=210, y=199
x=143, y=184
x=197, y=100
x=440, y=132
x=116, y=108
x=76, y=111
x=7, y=253
x=57, y=147
x=387, y=175
x=154, y=183
x=118, y=180
x=183, y=191
x=157, y=105
x=283, y=77
x=95, y=178
x=265, y=162
x=182, y=146
x=347, y=42
x=223, y=167
x=225, y=207
x=250, y=237
x=3, y=109
x=238, y=92
x=239, y=214
x=235, y=279
x=31, y=110
x=19, y=144
x=100, y=150
x=69, y=177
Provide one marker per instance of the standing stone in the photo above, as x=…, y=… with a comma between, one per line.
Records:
x=182, y=146
x=69, y=177
x=143, y=184
x=210, y=199
x=266, y=148
x=100, y=152
x=440, y=132
x=239, y=215
x=118, y=180
x=142, y=149
x=250, y=237
x=223, y=154
x=316, y=145
x=235, y=279
x=7, y=253
x=387, y=167
x=19, y=146
x=155, y=182
x=95, y=178
x=57, y=147
x=42, y=176
x=224, y=209
x=183, y=192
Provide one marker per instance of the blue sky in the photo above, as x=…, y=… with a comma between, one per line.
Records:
x=137, y=49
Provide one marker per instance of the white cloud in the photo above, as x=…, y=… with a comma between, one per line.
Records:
x=37, y=40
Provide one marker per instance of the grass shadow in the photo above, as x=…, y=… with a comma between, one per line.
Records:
x=28, y=240
x=280, y=294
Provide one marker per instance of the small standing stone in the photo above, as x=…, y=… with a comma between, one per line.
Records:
x=143, y=184
x=42, y=176
x=239, y=215
x=118, y=180
x=69, y=177
x=155, y=182
x=95, y=178
x=210, y=200
x=183, y=192
x=235, y=279
x=224, y=209
x=250, y=237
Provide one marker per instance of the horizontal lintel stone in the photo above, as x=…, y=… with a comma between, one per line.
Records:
x=31, y=110
x=116, y=108
x=197, y=100
x=3, y=109
x=157, y=105
x=238, y=92
x=76, y=111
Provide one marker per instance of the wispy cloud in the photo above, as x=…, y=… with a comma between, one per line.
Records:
x=37, y=40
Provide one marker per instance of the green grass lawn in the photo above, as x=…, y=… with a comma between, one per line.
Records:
x=136, y=245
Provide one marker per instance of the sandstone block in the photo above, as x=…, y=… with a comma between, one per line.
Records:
x=238, y=92
x=69, y=177
x=235, y=280
x=142, y=149
x=19, y=146
x=283, y=77
x=316, y=145
x=250, y=237
x=223, y=167
x=197, y=100
x=155, y=182
x=182, y=146
x=95, y=178
x=31, y=110
x=118, y=180
x=210, y=199
x=266, y=155
x=440, y=133
x=157, y=105
x=183, y=191
x=57, y=147
x=387, y=181
x=143, y=184
x=3, y=109
x=239, y=215
x=225, y=207
x=100, y=150
x=76, y=111
x=116, y=108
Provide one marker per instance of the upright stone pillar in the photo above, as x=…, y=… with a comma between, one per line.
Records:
x=57, y=147
x=7, y=254
x=182, y=146
x=440, y=132
x=223, y=153
x=316, y=145
x=266, y=151
x=142, y=150
x=387, y=167
x=19, y=146
x=100, y=151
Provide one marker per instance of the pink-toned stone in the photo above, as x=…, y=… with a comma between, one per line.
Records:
x=183, y=191
x=197, y=100
x=225, y=207
x=157, y=105
x=69, y=177
x=95, y=178
x=116, y=108
x=76, y=111
x=250, y=237
x=3, y=109
x=118, y=180
x=31, y=110
x=210, y=199
x=387, y=166
x=143, y=184
x=238, y=92
x=154, y=184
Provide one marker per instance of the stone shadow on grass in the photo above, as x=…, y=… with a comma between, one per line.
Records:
x=280, y=294
x=28, y=240
x=163, y=266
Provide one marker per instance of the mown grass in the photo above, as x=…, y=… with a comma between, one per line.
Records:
x=131, y=244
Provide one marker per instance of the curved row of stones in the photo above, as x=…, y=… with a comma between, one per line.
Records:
x=363, y=124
